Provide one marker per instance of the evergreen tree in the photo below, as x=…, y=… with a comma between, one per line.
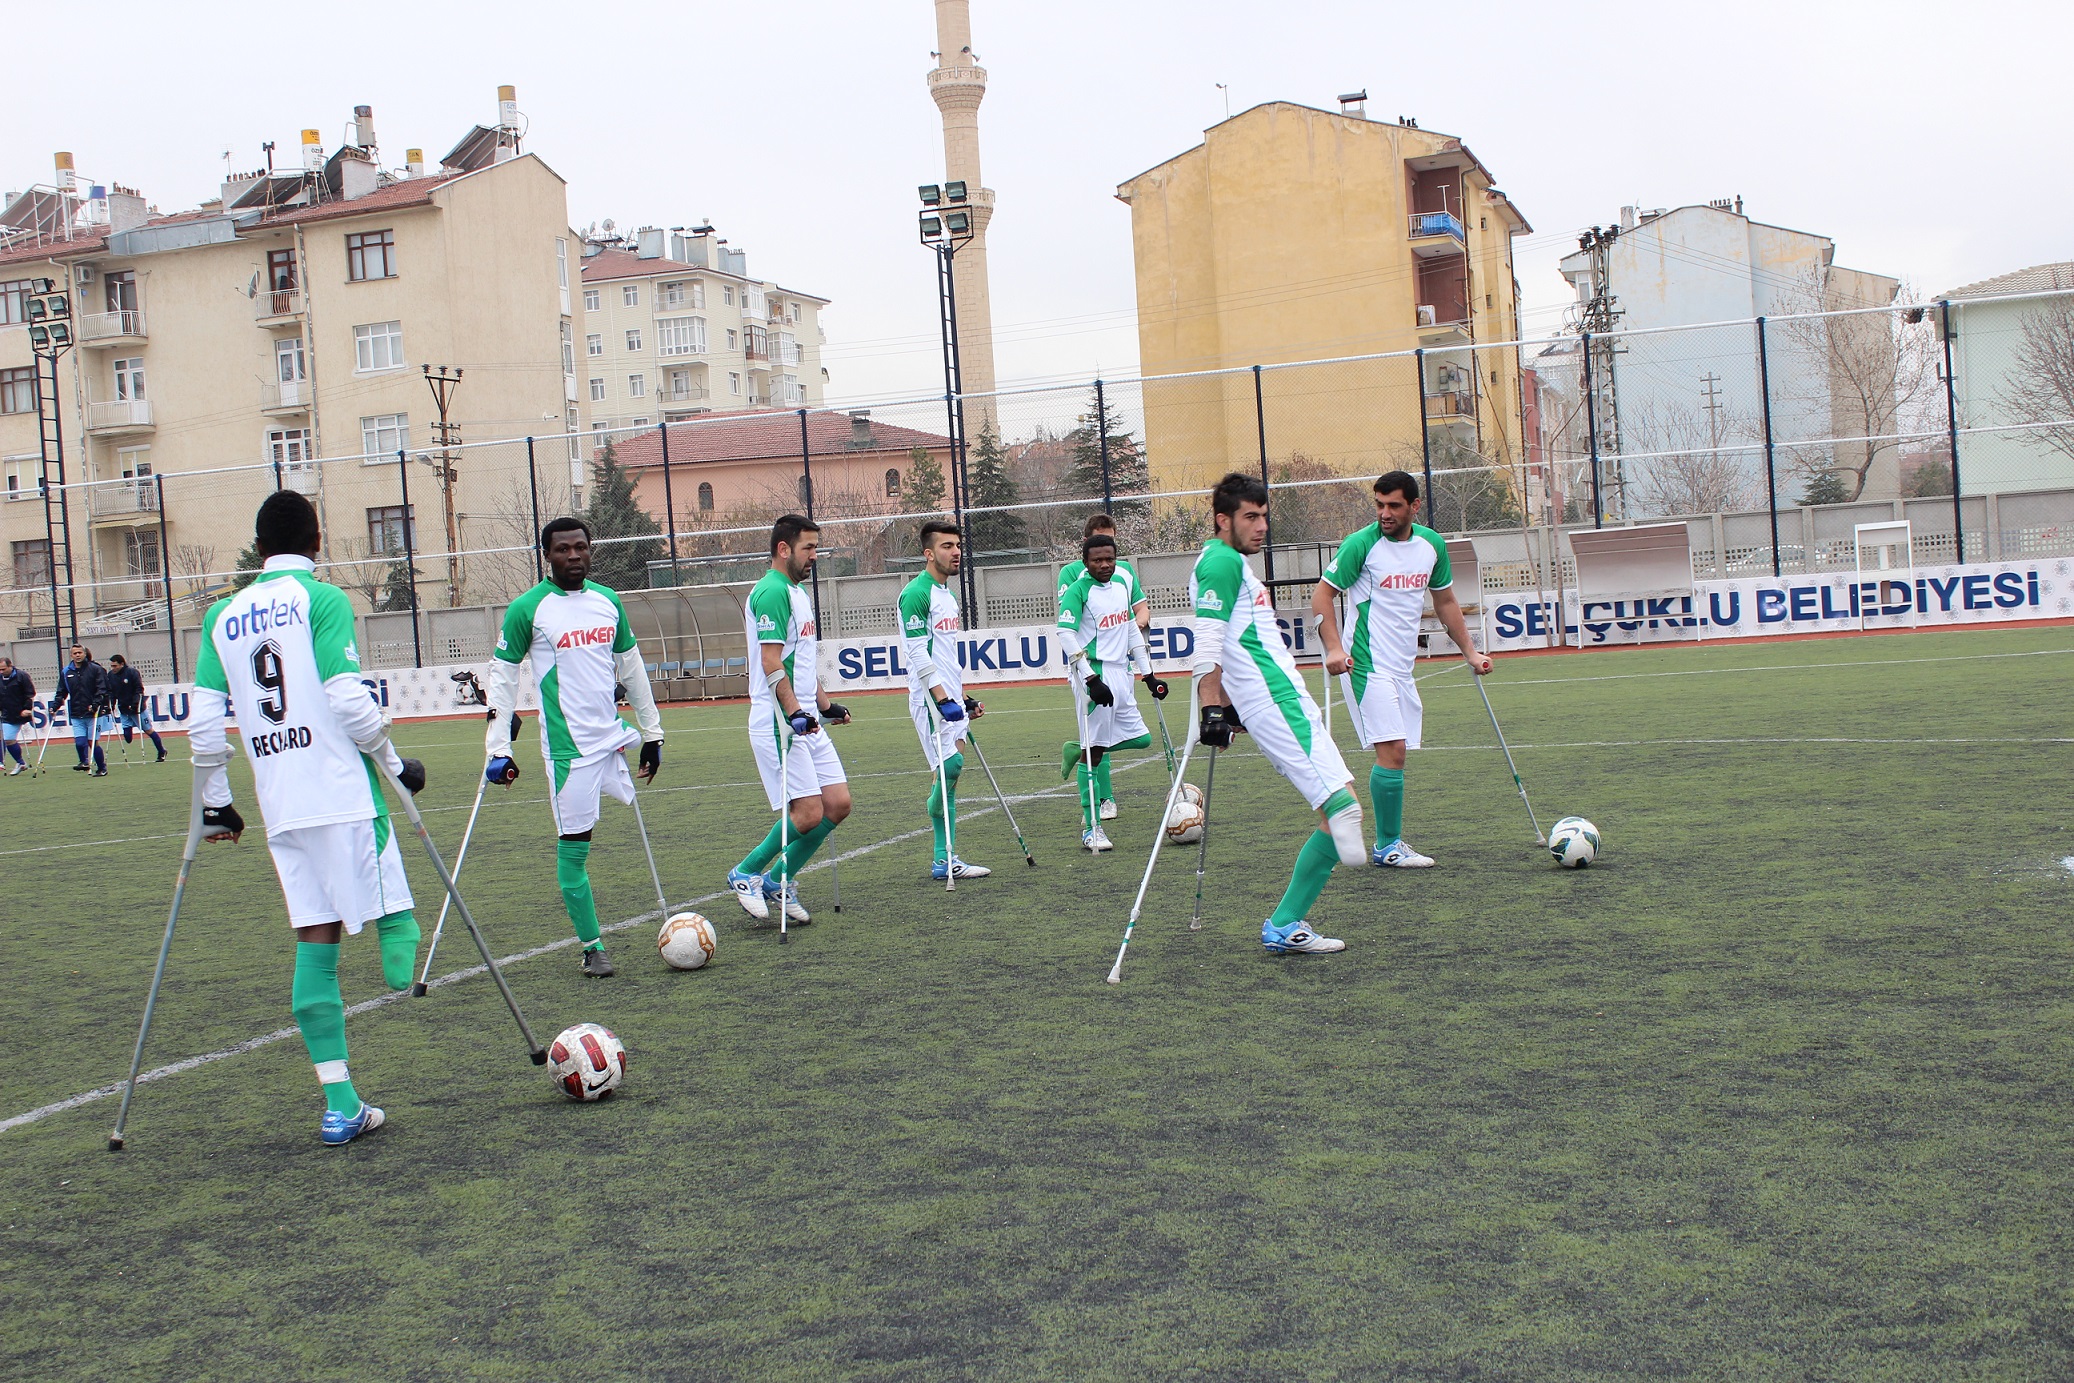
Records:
x=986, y=467
x=1826, y=487
x=1128, y=473
x=248, y=567
x=924, y=489
x=396, y=589
x=615, y=512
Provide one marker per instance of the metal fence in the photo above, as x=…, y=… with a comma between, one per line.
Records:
x=1770, y=436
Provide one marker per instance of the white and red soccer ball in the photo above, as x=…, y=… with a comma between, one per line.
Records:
x=586, y=1062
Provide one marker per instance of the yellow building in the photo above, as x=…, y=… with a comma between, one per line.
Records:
x=1294, y=234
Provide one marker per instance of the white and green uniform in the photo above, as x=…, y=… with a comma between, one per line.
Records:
x=780, y=612
x=929, y=625
x=1236, y=634
x=278, y=657
x=577, y=644
x=1386, y=584
x=1096, y=616
x=1076, y=569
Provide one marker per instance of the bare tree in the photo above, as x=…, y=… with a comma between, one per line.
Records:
x=1708, y=471
x=2040, y=389
x=1879, y=374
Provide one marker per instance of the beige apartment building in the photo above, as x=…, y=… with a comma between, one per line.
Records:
x=671, y=337
x=289, y=320
x=1293, y=234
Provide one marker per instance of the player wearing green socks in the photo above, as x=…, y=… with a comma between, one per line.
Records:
x=1245, y=679
x=1102, y=525
x=936, y=700
x=278, y=657
x=1386, y=572
x=574, y=634
x=1103, y=645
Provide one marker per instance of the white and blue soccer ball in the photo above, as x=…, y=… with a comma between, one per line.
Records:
x=1574, y=842
x=586, y=1062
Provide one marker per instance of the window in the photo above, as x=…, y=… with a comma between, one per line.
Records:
x=597, y=391
x=391, y=530
x=633, y=338
x=786, y=348
x=734, y=382
x=734, y=339
x=383, y=435
x=288, y=446
x=129, y=379
x=792, y=313
x=140, y=557
x=639, y=422
x=752, y=303
x=132, y=462
x=32, y=562
x=378, y=346
x=677, y=385
x=705, y=499
x=14, y=301
x=119, y=292
x=594, y=344
x=568, y=348
x=698, y=293
x=562, y=269
x=590, y=300
x=671, y=295
x=630, y=295
x=727, y=294
x=371, y=255
x=892, y=483
x=785, y=390
x=18, y=390
x=680, y=335
x=21, y=476
x=637, y=386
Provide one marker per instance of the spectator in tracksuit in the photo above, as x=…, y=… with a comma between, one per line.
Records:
x=126, y=691
x=83, y=695
x=17, y=697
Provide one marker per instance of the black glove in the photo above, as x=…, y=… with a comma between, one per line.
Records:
x=1157, y=685
x=651, y=758
x=501, y=771
x=1217, y=725
x=412, y=777
x=1099, y=693
x=974, y=708
x=835, y=713
x=222, y=821
x=950, y=710
x=802, y=723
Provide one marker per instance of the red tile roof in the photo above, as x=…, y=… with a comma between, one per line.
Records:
x=766, y=435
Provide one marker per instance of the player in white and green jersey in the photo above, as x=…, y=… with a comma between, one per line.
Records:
x=1102, y=525
x=575, y=635
x=1246, y=680
x=936, y=700
x=802, y=775
x=1386, y=571
x=278, y=658
x=1103, y=646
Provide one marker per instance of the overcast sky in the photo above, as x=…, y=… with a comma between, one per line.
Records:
x=1930, y=141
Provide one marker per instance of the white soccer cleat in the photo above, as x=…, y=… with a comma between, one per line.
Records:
x=1108, y=811
x=1398, y=855
x=788, y=897
x=749, y=893
x=1347, y=836
x=1297, y=939
x=945, y=869
x=1095, y=840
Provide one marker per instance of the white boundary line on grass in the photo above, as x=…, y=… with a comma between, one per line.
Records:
x=1768, y=667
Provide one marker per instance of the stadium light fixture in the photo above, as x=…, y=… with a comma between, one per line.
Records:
x=954, y=192
x=958, y=222
x=932, y=194
x=932, y=228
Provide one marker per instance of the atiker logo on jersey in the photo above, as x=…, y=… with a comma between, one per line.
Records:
x=1402, y=581
x=1113, y=620
x=585, y=638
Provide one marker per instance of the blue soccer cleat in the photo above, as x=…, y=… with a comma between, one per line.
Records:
x=942, y=870
x=787, y=898
x=748, y=890
x=338, y=1129
x=1297, y=938
x=1398, y=855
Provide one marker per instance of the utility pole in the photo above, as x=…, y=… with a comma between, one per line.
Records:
x=443, y=382
x=1711, y=392
x=1597, y=320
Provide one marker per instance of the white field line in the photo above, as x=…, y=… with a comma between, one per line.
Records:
x=1770, y=667
x=252, y=1044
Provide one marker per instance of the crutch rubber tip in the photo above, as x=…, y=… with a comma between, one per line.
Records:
x=1030, y=860
x=784, y=937
x=417, y=989
x=114, y=1144
x=540, y=1056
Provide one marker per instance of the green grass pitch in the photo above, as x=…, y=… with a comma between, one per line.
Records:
x=1777, y=1091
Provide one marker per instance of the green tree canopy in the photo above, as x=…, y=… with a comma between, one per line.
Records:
x=924, y=489
x=986, y=469
x=1127, y=469
x=616, y=513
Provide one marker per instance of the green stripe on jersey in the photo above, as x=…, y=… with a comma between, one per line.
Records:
x=560, y=743
x=1287, y=699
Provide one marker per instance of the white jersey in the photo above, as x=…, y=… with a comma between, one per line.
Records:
x=271, y=649
x=779, y=611
x=1386, y=584
x=1258, y=673
x=572, y=639
x=1098, y=616
x=929, y=624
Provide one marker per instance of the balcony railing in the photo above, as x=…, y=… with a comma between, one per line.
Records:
x=282, y=397
x=1450, y=405
x=118, y=416
x=112, y=326
x=1429, y=223
x=685, y=393
x=128, y=497
x=273, y=304
x=756, y=352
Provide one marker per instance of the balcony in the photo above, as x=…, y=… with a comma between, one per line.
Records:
x=278, y=399
x=1436, y=233
x=1434, y=332
x=1451, y=406
x=754, y=352
x=119, y=418
x=125, y=328
x=277, y=307
x=122, y=499
x=684, y=393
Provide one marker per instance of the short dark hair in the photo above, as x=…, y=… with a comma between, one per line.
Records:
x=565, y=524
x=1397, y=483
x=1093, y=541
x=1096, y=523
x=936, y=526
x=1235, y=489
x=788, y=528
x=287, y=525
x=118, y=658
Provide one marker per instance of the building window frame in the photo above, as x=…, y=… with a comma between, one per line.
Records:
x=377, y=347
x=590, y=300
x=597, y=390
x=594, y=344
x=637, y=386
x=18, y=390
x=392, y=529
x=630, y=295
x=382, y=435
x=370, y=255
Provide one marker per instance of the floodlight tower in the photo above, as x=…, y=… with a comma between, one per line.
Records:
x=47, y=307
x=957, y=85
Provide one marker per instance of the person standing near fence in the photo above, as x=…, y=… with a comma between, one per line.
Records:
x=132, y=707
x=83, y=695
x=936, y=700
x=1386, y=571
x=1103, y=647
x=17, y=709
x=1103, y=526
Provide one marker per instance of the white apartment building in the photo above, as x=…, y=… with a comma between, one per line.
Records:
x=671, y=337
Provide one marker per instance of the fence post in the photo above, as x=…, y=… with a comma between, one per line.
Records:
x=410, y=560
x=277, y=470
x=669, y=502
x=1260, y=425
x=1102, y=445
x=1771, y=469
x=806, y=472
x=533, y=489
x=1418, y=357
x=1591, y=431
x=165, y=571
x=1951, y=427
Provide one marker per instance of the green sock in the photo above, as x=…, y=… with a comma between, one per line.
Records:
x=1340, y=800
x=942, y=829
x=759, y=859
x=1103, y=792
x=1080, y=777
x=1386, y=790
x=321, y=1014
x=575, y=881
x=803, y=847
x=399, y=933
x=1313, y=867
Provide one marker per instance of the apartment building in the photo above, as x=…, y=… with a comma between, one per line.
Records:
x=284, y=328
x=671, y=337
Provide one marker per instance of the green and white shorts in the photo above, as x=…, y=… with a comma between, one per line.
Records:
x=1293, y=737
x=1388, y=707
x=342, y=871
x=576, y=786
x=810, y=762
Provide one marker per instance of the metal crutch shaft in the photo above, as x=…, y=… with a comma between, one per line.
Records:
x=1539, y=838
x=972, y=736
x=417, y=991
x=158, y=975
x=1202, y=849
x=1158, y=837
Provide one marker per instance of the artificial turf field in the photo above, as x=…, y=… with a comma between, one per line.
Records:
x=1779, y=1090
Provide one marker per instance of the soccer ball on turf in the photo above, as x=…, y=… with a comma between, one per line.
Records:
x=1191, y=793
x=1185, y=823
x=1574, y=842
x=687, y=941
x=586, y=1062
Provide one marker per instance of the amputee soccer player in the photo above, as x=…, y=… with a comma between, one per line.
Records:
x=929, y=623
x=575, y=635
x=804, y=778
x=1386, y=570
x=278, y=657
x=1246, y=680
x=1101, y=525
x=1103, y=647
